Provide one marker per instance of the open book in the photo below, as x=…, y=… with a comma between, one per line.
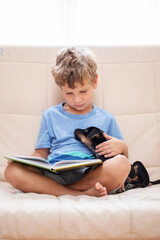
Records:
x=62, y=165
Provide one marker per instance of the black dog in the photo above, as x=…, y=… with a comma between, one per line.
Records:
x=138, y=176
x=91, y=137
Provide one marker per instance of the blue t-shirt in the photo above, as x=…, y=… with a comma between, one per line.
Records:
x=57, y=131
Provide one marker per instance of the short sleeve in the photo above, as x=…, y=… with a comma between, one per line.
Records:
x=114, y=129
x=44, y=139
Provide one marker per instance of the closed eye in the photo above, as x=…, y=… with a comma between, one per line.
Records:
x=84, y=91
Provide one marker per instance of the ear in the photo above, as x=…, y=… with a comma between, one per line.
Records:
x=95, y=81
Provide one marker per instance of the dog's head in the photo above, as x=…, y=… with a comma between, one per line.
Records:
x=91, y=137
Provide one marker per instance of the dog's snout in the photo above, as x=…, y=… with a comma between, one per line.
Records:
x=77, y=133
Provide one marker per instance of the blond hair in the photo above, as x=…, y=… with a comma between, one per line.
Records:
x=74, y=65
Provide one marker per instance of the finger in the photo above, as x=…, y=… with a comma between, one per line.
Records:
x=108, y=137
x=101, y=147
x=106, y=151
x=112, y=154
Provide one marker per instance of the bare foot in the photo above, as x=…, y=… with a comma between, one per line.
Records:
x=97, y=191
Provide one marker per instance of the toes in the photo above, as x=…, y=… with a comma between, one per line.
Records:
x=102, y=190
x=98, y=186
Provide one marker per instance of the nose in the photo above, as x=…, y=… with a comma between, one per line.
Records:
x=77, y=99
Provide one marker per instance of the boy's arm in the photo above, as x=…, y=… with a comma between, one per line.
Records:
x=125, y=148
x=41, y=152
x=112, y=147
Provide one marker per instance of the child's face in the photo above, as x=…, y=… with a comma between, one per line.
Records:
x=79, y=99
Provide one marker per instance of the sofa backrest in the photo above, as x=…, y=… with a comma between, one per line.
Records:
x=128, y=87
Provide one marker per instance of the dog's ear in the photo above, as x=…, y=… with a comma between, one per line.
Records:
x=96, y=135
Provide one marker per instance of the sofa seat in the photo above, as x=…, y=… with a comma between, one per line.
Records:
x=134, y=214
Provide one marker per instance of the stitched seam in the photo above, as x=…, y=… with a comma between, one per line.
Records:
x=156, y=99
x=48, y=80
x=40, y=114
x=60, y=217
x=101, y=87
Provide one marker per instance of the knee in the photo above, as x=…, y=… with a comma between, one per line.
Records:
x=12, y=173
x=120, y=169
x=123, y=165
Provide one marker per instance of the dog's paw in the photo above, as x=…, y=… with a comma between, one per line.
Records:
x=129, y=186
x=120, y=190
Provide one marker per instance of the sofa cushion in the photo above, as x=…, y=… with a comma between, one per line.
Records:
x=38, y=216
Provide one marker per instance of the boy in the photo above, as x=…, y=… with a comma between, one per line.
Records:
x=75, y=72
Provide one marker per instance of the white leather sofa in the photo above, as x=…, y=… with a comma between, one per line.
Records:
x=129, y=87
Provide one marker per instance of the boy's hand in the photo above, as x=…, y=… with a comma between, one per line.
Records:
x=112, y=147
x=9, y=161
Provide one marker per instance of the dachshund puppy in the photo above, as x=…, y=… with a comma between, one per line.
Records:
x=91, y=137
x=138, y=176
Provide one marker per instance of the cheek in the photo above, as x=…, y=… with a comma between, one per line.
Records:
x=89, y=96
x=68, y=98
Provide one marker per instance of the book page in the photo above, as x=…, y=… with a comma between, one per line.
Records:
x=39, y=159
x=69, y=163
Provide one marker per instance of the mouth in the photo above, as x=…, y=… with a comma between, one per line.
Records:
x=79, y=106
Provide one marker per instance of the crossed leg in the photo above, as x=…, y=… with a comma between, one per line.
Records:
x=112, y=174
x=96, y=183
